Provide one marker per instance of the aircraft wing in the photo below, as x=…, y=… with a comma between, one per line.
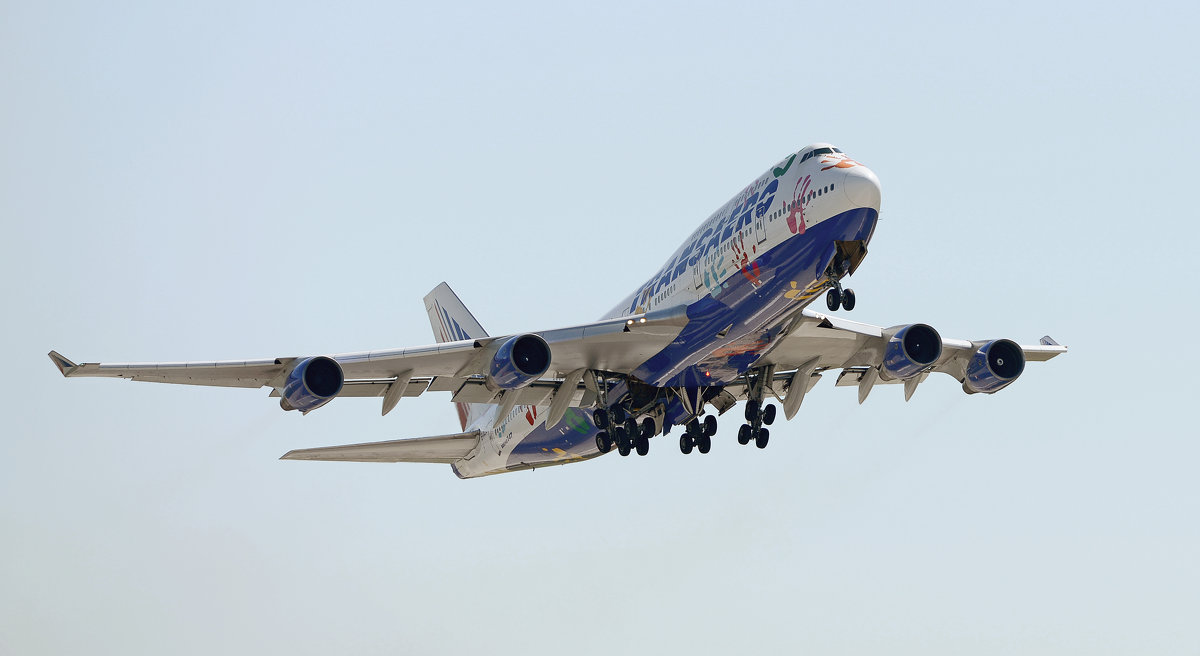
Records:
x=615, y=345
x=814, y=343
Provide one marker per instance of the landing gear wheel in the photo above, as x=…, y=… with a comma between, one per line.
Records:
x=603, y=443
x=618, y=415
x=622, y=439
x=848, y=299
x=704, y=444
x=768, y=415
x=693, y=429
x=632, y=429
x=600, y=418
x=642, y=444
x=685, y=444
x=760, y=440
x=752, y=407
x=710, y=426
x=648, y=428
x=745, y=433
x=833, y=300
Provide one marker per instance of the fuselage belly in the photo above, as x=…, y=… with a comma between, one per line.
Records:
x=750, y=267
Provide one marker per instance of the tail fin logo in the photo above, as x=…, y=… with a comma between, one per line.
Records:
x=451, y=331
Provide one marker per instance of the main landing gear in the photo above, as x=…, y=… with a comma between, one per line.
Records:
x=698, y=435
x=756, y=414
x=754, y=429
x=624, y=432
x=838, y=297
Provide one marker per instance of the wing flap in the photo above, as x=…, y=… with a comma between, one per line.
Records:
x=439, y=448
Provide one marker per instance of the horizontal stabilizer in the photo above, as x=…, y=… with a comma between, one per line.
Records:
x=440, y=448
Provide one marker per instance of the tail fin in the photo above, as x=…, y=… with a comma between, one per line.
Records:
x=452, y=321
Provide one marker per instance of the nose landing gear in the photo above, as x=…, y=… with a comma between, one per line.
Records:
x=838, y=297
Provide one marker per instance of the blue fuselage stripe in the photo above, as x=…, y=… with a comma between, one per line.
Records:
x=751, y=307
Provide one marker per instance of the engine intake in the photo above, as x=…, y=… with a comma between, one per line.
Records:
x=519, y=361
x=994, y=366
x=311, y=384
x=911, y=350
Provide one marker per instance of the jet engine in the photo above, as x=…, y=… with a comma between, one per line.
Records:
x=910, y=350
x=311, y=384
x=994, y=366
x=518, y=362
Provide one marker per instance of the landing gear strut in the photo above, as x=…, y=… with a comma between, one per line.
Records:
x=756, y=414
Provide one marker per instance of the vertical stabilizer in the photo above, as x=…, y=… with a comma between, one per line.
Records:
x=452, y=322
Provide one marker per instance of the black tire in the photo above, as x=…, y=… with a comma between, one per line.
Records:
x=620, y=438
x=710, y=425
x=685, y=444
x=833, y=300
x=752, y=407
x=617, y=415
x=761, y=439
x=745, y=434
x=631, y=427
x=648, y=428
x=642, y=444
x=768, y=415
x=693, y=429
x=600, y=418
x=603, y=443
x=704, y=444
x=847, y=299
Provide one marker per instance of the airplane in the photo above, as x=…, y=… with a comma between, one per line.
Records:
x=724, y=320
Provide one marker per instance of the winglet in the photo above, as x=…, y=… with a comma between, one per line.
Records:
x=65, y=366
x=1049, y=341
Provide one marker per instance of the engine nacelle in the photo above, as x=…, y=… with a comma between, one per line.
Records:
x=994, y=366
x=519, y=361
x=911, y=350
x=311, y=384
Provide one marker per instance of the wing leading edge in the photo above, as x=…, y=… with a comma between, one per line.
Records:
x=617, y=345
x=814, y=343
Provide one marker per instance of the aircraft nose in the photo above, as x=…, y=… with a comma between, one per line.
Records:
x=862, y=187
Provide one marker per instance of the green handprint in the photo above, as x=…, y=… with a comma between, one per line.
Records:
x=780, y=171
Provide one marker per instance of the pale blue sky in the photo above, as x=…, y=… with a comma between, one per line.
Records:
x=257, y=179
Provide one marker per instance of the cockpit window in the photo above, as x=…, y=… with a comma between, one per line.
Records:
x=819, y=151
